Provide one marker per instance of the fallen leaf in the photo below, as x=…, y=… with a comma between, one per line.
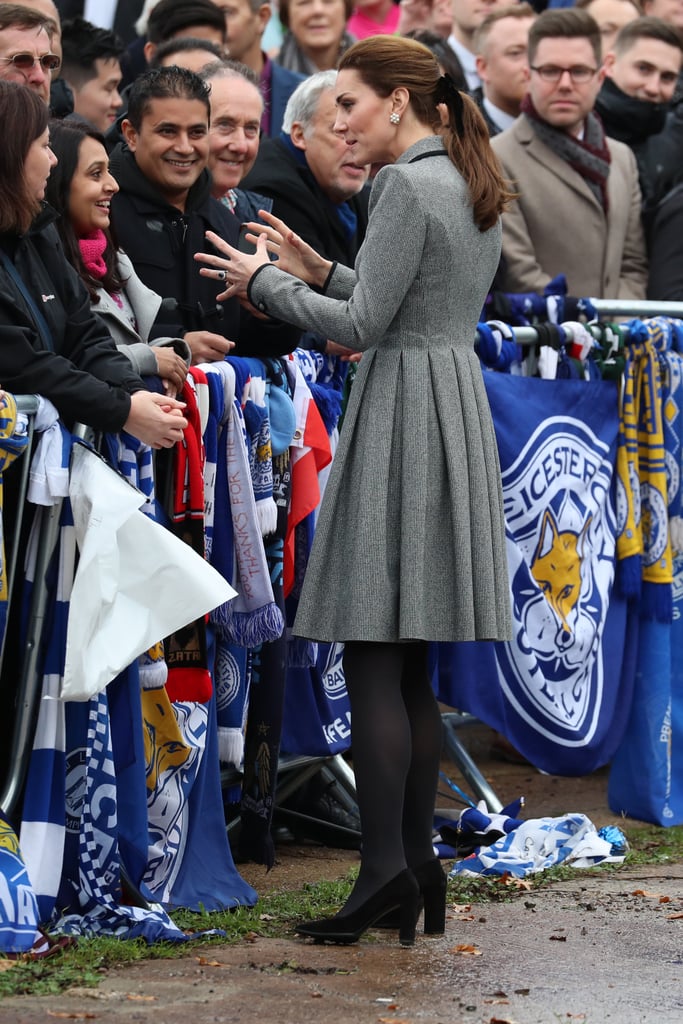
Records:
x=466, y=950
x=135, y=998
x=558, y=938
x=665, y=899
x=266, y=917
x=5, y=964
x=522, y=991
x=71, y=1016
x=392, y=1020
x=673, y=917
x=209, y=963
x=316, y=995
x=497, y=1002
x=500, y=1020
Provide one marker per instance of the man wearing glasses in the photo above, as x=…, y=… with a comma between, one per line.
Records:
x=26, y=54
x=578, y=211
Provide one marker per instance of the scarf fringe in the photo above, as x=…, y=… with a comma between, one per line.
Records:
x=154, y=676
x=630, y=577
x=266, y=515
x=249, y=629
x=301, y=653
x=230, y=745
x=676, y=534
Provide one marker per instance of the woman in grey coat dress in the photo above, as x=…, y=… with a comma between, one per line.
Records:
x=409, y=546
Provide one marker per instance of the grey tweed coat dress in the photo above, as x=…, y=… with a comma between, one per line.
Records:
x=409, y=543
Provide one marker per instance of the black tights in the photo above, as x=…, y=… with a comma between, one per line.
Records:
x=396, y=737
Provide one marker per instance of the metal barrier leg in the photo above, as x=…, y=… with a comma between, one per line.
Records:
x=30, y=682
x=452, y=720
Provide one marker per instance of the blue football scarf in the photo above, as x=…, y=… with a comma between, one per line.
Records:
x=560, y=690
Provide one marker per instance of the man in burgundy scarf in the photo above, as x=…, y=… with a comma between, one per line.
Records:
x=578, y=210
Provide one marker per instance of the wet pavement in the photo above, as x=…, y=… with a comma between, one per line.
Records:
x=605, y=947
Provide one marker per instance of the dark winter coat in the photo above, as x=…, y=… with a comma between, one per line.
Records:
x=161, y=242
x=84, y=376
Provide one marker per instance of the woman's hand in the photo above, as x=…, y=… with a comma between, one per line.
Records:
x=156, y=420
x=171, y=368
x=293, y=255
x=234, y=267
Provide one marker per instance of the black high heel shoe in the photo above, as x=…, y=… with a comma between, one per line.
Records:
x=433, y=883
x=399, y=896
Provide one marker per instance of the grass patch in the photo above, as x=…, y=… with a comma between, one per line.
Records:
x=275, y=913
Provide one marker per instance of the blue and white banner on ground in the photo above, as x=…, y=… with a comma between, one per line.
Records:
x=560, y=690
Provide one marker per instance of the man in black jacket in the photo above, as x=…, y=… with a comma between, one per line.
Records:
x=640, y=78
x=164, y=209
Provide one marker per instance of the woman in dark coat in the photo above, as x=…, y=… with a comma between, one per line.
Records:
x=50, y=342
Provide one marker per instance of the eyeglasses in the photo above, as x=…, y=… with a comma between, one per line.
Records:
x=579, y=73
x=25, y=62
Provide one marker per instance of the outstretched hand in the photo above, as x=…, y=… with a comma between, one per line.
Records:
x=233, y=267
x=292, y=254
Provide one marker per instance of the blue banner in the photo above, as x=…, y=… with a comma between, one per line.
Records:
x=560, y=690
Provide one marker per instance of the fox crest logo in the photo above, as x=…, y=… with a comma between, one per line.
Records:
x=556, y=567
x=561, y=541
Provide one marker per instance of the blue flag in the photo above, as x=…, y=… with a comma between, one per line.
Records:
x=560, y=690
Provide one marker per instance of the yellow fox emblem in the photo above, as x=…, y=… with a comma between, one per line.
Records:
x=556, y=567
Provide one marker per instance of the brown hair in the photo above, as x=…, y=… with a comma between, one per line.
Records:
x=520, y=11
x=19, y=16
x=23, y=119
x=385, y=63
x=647, y=27
x=283, y=11
x=565, y=23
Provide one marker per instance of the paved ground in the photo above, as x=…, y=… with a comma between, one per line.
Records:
x=606, y=948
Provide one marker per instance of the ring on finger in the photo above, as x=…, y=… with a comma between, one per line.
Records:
x=221, y=275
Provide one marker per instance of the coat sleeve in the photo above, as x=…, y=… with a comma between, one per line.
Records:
x=86, y=378
x=385, y=269
x=633, y=272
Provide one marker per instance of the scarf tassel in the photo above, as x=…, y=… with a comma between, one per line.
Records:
x=629, y=574
x=251, y=628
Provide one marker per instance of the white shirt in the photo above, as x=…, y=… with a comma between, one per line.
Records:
x=499, y=117
x=100, y=12
x=468, y=63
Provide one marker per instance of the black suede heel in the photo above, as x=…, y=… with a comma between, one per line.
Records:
x=433, y=883
x=399, y=896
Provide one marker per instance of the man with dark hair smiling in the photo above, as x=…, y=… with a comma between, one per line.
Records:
x=578, y=211
x=164, y=208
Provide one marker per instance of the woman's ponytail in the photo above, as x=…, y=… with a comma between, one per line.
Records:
x=467, y=143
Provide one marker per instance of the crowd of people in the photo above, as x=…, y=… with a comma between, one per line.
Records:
x=390, y=162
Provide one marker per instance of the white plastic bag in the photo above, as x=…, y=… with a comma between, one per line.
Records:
x=135, y=583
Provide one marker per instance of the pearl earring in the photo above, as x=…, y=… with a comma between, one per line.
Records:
x=394, y=117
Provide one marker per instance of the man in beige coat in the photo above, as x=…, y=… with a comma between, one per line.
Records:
x=578, y=211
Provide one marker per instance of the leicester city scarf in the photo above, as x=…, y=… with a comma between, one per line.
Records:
x=643, y=546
